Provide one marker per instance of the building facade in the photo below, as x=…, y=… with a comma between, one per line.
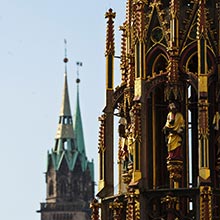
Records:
x=69, y=174
x=168, y=108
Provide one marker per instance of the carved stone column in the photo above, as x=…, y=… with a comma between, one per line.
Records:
x=117, y=208
x=94, y=205
x=172, y=204
x=175, y=168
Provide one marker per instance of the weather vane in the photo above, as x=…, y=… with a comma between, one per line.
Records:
x=79, y=64
x=65, y=60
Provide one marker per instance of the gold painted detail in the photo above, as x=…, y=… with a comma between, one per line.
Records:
x=123, y=60
x=94, y=205
x=170, y=201
x=137, y=88
x=117, y=208
x=173, y=90
x=127, y=176
x=174, y=87
x=203, y=83
x=157, y=35
x=204, y=173
x=101, y=141
x=133, y=204
x=140, y=20
x=174, y=8
x=136, y=176
x=157, y=6
x=110, y=45
x=173, y=71
x=203, y=118
x=175, y=168
x=131, y=69
x=202, y=19
x=101, y=151
x=205, y=203
x=101, y=185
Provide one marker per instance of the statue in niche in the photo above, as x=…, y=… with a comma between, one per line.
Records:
x=123, y=148
x=173, y=131
x=131, y=141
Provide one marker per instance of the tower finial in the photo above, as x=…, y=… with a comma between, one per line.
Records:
x=78, y=63
x=65, y=60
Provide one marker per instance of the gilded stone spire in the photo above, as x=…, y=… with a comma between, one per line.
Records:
x=110, y=49
x=140, y=18
x=110, y=44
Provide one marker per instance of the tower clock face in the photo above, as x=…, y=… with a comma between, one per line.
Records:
x=157, y=34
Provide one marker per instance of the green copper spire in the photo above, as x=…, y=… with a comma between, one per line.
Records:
x=78, y=127
x=69, y=141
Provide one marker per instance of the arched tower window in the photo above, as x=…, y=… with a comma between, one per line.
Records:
x=63, y=187
x=65, y=144
x=51, y=188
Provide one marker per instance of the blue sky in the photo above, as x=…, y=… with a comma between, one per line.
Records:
x=32, y=34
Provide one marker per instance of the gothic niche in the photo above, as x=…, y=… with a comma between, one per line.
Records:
x=192, y=64
x=160, y=64
x=63, y=187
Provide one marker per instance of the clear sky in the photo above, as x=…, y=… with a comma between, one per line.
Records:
x=32, y=34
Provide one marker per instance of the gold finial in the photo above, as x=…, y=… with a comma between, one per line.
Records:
x=110, y=14
x=110, y=45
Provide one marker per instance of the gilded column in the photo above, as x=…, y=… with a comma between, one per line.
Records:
x=174, y=89
x=123, y=60
x=133, y=205
x=203, y=94
x=129, y=8
x=110, y=49
x=106, y=185
x=203, y=121
x=117, y=207
x=101, y=151
x=94, y=206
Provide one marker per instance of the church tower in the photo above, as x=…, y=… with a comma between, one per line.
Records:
x=167, y=107
x=69, y=174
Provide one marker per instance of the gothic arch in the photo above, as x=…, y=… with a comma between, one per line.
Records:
x=189, y=64
x=154, y=61
x=63, y=186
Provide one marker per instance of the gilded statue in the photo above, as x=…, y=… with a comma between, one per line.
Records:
x=173, y=131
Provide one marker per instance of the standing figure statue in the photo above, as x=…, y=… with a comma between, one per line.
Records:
x=173, y=130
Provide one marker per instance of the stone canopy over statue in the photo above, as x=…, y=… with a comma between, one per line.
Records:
x=173, y=131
